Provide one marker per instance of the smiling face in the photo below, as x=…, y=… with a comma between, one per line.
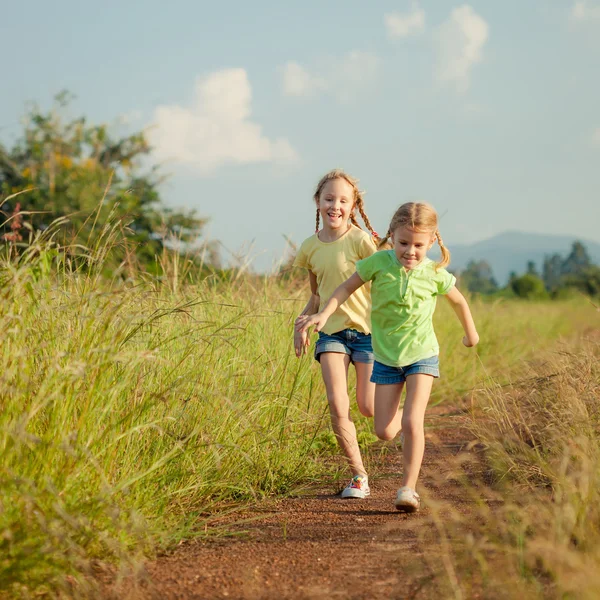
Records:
x=411, y=246
x=335, y=204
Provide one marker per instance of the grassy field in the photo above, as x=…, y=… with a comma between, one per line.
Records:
x=533, y=527
x=135, y=411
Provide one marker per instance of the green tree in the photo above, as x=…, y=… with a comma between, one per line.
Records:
x=478, y=278
x=574, y=271
x=529, y=286
x=552, y=271
x=577, y=261
x=586, y=281
x=532, y=269
x=83, y=172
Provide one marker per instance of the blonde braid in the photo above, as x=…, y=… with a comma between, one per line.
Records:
x=363, y=214
x=318, y=215
x=445, y=252
x=383, y=242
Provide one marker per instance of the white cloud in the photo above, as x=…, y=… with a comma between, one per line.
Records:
x=460, y=43
x=297, y=81
x=216, y=129
x=341, y=77
x=399, y=25
x=583, y=10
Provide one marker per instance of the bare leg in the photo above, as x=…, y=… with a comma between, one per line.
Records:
x=418, y=389
x=388, y=420
x=365, y=390
x=334, y=367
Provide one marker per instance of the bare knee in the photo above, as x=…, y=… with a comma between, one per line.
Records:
x=339, y=417
x=366, y=411
x=384, y=433
x=411, y=427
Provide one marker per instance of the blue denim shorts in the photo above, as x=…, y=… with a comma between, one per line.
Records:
x=383, y=374
x=347, y=341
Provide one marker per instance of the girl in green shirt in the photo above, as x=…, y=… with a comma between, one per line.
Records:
x=404, y=288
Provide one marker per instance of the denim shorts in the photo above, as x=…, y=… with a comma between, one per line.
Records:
x=383, y=374
x=347, y=341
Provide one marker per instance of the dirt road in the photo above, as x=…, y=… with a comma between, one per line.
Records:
x=320, y=546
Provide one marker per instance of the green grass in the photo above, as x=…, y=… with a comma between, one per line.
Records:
x=135, y=412
x=532, y=527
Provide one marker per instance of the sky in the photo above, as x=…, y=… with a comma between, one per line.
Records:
x=488, y=110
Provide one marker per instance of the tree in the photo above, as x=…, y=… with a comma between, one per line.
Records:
x=552, y=271
x=532, y=269
x=529, y=286
x=80, y=171
x=577, y=261
x=586, y=281
x=576, y=270
x=478, y=278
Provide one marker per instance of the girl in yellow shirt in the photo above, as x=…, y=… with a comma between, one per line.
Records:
x=330, y=257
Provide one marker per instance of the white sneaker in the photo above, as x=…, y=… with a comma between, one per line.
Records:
x=357, y=488
x=407, y=500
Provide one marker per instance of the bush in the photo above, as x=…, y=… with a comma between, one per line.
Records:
x=530, y=287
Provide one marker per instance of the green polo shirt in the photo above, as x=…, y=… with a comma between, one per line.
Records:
x=403, y=303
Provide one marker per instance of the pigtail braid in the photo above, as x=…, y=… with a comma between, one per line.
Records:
x=445, y=252
x=383, y=242
x=363, y=214
x=318, y=216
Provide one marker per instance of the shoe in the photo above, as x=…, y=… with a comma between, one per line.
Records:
x=357, y=488
x=407, y=500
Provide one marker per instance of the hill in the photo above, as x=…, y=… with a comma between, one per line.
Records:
x=511, y=250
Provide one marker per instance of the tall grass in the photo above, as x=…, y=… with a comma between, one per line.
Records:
x=532, y=527
x=130, y=414
x=134, y=411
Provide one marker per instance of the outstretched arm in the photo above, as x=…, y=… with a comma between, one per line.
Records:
x=463, y=312
x=339, y=296
x=301, y=340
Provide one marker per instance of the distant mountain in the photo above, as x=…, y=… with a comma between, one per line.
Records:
x=510, y=251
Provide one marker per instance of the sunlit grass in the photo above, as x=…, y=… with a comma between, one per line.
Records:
x=532, y=527
x=134, y=411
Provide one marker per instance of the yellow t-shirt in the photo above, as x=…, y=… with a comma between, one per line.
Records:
x=332, y=263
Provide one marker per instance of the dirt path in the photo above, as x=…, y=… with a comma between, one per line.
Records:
x=317, y=545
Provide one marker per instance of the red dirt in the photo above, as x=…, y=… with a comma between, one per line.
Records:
x=318, y=545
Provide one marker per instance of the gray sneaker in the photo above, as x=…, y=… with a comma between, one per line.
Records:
x=357, y=488
x=407, y=500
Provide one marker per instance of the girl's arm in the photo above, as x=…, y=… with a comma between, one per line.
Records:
x=339, y=296
x=463, y=312
x=301, y=340
x=312, y=306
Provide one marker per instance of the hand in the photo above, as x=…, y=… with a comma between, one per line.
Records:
x=301, y=342
x=471, y=340
x=304, y=322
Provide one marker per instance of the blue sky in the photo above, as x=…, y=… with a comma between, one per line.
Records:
x=490, y=111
